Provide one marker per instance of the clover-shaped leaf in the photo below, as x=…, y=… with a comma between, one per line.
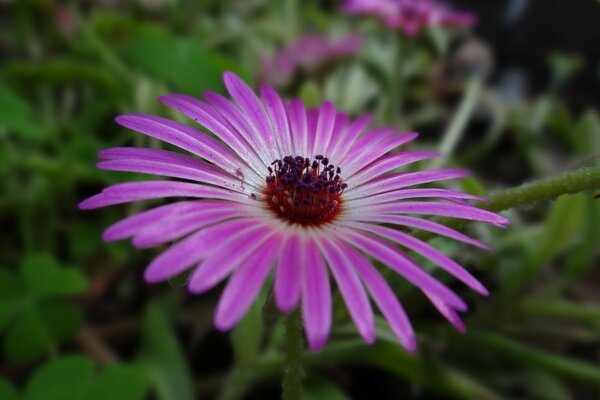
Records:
x=33, y=311
x=74, y=378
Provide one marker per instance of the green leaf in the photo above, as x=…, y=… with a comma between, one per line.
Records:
x=8, y=391
x=61, y=319
x=181, y=62
x=18, y=116
x=562, y=224
x=27, y=338
x=163, y=358
x=119, y=382
x=321, y=389
x=247, y=335
x=586, y=134
x=45, y=277
x=66, y=378
x=11, y=296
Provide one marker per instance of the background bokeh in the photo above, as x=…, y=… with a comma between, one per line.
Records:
x=514, y=99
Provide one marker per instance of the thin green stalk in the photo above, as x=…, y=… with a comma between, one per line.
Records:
x=395, y=102
x=542, y=189
x=459, y=122
x=526, y=355
x=292, y=375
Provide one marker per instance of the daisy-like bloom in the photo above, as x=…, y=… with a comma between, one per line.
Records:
x=304, y=193
x=306, y=55
x=411, y=16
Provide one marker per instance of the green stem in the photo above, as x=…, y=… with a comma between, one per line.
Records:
x=544, y=189
x=525, y=355
x=395, y=104
x=529, y=193
x=459, y=122
x=292, y=375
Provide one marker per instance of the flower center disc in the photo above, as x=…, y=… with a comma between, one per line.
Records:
x=304, y=192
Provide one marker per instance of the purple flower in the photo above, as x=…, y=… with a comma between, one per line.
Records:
x=307, y=54
x=411, y=16
x=303, y=192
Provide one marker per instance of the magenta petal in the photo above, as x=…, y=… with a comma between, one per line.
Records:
x=288, y=276
x=352, y=290
x=133, y=224
x=448, y=312
x=364, y=154
x=316, y=299
x=323, y=131
x=424, y=225
x=227, y=256
x=278, y=115
x=392, y=182
x=384, y=297
x=396, y=260
x=410, y=194
x=184, y=254
x=244, y=286
x=203, y=114
x=343, y=139
x=185, y=137
x=388, y=163
x=137, y=191
x=233, y=118
x=167, y=163
x=440, y=209
x=298, y=126
x=174, y=228
x=426, y=251
x=253, y=111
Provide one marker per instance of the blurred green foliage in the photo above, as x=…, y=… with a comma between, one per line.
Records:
x=76, y=322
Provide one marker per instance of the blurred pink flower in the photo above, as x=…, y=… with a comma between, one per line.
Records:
x=263, y=195
x=307, y=54
x=411, y=16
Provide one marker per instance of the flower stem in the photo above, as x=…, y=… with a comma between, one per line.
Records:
x=548, y=188
x=542, y=189
x=395, y=101
x=459, y=122
x=292, y=375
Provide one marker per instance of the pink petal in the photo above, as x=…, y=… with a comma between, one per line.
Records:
x=167, y=163
x=398, y=261
x=426, y=251
x=343, y=139
x=325, y=124
x=388, y=163
x=190, y=250
x=352, y=290
x=244, y=286
x=205, y=115
x=289, y=270
x=316, y=299
x=278, y=115
x=384, y=297
x=252, y=111
x=298, y=126
x=137, y=191
x=185, y=137
x=133, y=224
x=174, y=228
x=425, y=225
x=441, y=209
x=448, y=312
x=392, y=182
x=227, y=256
x=409, y=194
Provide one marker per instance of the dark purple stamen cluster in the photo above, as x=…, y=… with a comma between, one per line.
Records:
x=304, y=192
